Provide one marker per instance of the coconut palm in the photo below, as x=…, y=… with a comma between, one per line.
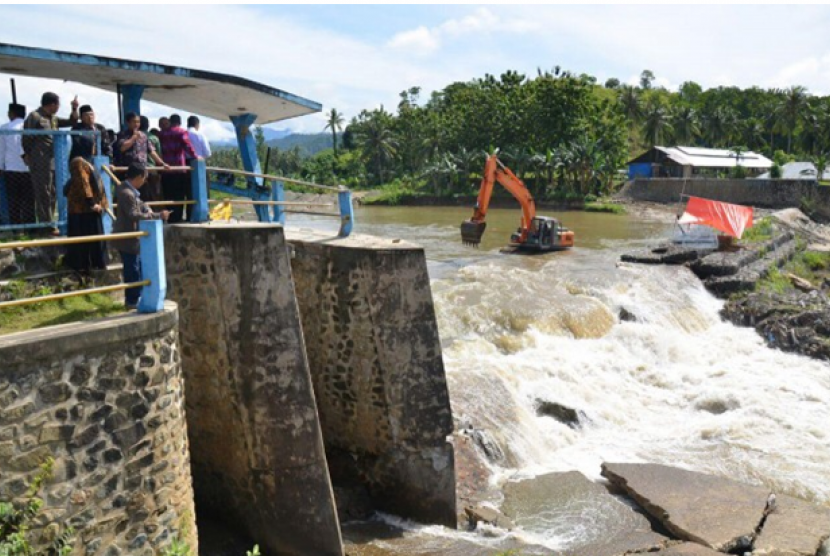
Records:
x=791, y=109
x=686, y=125
x=335, y=123
x=656, y=122
x=629, y=99
x=378, y=141
x=721, y=125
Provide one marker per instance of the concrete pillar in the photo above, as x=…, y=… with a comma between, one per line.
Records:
x=256, y=446
x=375, y=355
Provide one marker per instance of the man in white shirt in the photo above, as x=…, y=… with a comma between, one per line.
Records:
x=18, y=182
x=197, y=138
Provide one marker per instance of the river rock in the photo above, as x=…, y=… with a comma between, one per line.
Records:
x=492, y=516
x=562, y=413
x=791, y=321
x=718, y=513
x=570, y=506
x=793, y=528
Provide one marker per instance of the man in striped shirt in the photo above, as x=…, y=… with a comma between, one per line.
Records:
x=176, y=149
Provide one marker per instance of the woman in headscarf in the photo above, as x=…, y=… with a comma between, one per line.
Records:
x=86, y=203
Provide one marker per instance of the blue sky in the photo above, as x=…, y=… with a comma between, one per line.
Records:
x=354, y=57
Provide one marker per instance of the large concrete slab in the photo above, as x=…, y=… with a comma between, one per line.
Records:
x=793, y=528
x=572, y=509
x=256, y=445
x=686, y=549
x=716, y=512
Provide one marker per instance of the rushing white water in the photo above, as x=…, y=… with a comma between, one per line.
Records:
x=676, y=385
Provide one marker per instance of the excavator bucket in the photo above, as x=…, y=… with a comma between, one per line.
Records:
x=471, y=232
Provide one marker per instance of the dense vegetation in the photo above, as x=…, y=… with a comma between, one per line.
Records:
x=565, y=135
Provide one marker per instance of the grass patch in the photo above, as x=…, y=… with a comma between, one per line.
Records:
x=392, y=195
x=809, y=265
x=73, y=309
x=816, y=261
x=760, y=231
x=611, y=208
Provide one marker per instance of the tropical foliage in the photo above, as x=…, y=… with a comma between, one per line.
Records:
x=564, y=134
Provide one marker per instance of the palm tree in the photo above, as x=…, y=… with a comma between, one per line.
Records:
x=686, y=125
x=790, y=110
x=656, y=122
x=753, y=133
x=379, y=144
x=335, y=123
x=721, y=125
x=629, y=99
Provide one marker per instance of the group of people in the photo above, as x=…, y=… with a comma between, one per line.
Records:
x=27, y=168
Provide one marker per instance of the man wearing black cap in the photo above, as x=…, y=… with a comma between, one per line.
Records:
x=39, y=153
x=87, y=145
x=21, y=197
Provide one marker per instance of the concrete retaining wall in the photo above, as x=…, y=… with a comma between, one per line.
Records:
x=774, y=194
x=256, y=445
x=105, y=400
x=375, y=355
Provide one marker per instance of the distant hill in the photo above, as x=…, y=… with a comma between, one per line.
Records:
x=270, y=135
x=309, y=143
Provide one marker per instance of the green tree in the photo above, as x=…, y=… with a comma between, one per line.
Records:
x=790, y=110
x=629, y=99
x=656, y=122
x=334, y=122
x=612, y=83
x=685, y=125
x=646, y=79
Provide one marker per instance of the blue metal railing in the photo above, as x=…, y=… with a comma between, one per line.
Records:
x=275, y=195
x=60, y=157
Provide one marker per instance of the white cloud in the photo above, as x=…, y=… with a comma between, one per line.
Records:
x=420, y=40
x=350, y=70
x=425, y=40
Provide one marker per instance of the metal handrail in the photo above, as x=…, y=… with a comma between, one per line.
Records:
x=49, y=132
x=153, y=168
x=77, y=293
x=70, y=240
x=272, y=177
x=269, y=203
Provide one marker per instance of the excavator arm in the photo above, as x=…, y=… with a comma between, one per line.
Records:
x=494, y=171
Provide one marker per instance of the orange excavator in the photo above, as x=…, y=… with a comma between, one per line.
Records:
x=536, y=233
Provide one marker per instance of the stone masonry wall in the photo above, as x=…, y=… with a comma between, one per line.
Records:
x=256, y=445
x=375, y=356
x=105, y=400
x=774, y=194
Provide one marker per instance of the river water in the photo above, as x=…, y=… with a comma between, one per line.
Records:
x=675, y=385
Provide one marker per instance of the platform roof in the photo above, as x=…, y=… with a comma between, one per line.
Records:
x=205, y=93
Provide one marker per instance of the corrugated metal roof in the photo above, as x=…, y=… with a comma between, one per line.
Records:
x=699, y=157
x=716, y=158
x=798, y=171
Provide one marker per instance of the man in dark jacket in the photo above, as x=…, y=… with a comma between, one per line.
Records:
x=39, y=154
x=86, y=146
x=130, y=210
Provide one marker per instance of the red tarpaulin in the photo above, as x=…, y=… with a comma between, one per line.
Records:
x=729, y=219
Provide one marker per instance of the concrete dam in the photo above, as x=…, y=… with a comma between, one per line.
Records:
x=293, y=380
